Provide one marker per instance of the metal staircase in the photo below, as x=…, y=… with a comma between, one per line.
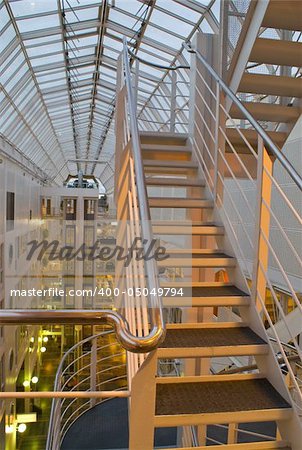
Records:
x=202, y=399
x=198, y=165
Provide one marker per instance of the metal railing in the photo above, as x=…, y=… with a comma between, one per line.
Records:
x=166, y=108
x=134, y=222
x=95, y=364
x=254, y=203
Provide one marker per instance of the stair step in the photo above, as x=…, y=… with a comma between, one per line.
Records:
x=210, y=340
x=150, y=138
x=195, y=258
x=268, y=111
x=279, y=52
x=271, y=85
x=172, y=202
x=274, y=445
x=206, y=294
x=286, y=15
x=174, y=182
x=166, y=152
x=217, y=399
x=251, y=136
x=169, y=167
x=190, y=229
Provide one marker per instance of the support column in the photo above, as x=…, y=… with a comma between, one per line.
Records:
x=262, y=224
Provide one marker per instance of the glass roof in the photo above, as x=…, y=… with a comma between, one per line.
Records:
x=58, y=72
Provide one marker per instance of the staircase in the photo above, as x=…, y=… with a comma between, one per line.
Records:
x=270, y=78
x=187, y=178
x=200, y=398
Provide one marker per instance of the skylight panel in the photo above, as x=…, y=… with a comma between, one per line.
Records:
x=145, y=48
x=37, y=23
x=40, y=42
x=133, y=6
x=42, y=51
x=7, y=37
x=81, y=14
x=4, y=18
x=123, y=19
x=177, y=8
x=31, y=7
x=171, y=23
x=48, y=59
x=74, y=35
x=164, y=37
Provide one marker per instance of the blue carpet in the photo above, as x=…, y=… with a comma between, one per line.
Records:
x=106, y=427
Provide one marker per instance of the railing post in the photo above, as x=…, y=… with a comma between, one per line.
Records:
x=232, y=433
x=93, y=367
x=173, y=100
x=136, y=82
x=219, y=148
x=262, y=223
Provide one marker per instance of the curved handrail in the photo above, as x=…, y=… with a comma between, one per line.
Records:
x=130, y=342
x=248, y=116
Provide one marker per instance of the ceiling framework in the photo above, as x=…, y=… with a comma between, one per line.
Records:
x=58, y=72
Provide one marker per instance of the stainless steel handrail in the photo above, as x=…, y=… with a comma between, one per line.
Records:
x=83, y=317
x=157, y=334
x=248, y=116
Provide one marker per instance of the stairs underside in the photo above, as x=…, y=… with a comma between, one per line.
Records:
x=284, y=15
x=269, y=75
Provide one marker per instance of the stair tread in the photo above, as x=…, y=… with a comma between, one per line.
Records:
x=252, y=136
x=284, y=15
x=210, y=337
x=169, y=181
x=149, y=138
x=279, y=52
x=179, y=202
x=256, y=83
x=217, y=397
x=267, y=111
x=175, y=254
x=173, y=164
x=187, y=229
x=273, y=445
x=185, y=223
x=207, y=291
x=225, y=295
